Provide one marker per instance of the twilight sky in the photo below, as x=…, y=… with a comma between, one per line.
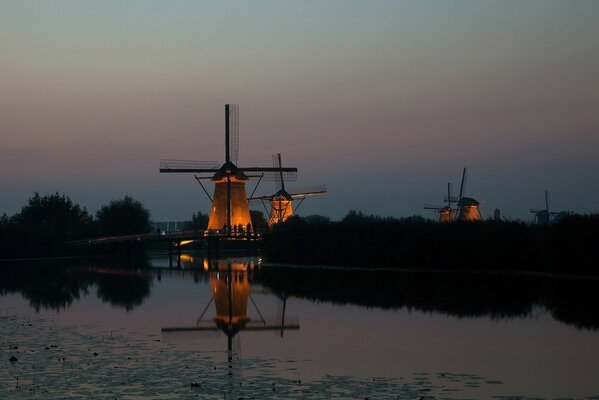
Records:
x=384, y=102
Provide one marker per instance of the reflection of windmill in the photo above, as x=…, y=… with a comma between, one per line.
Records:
x=445, y=213
x=281, y=203
x=543, y=216
x=468, y=208
x=230, y=286
x=229, y=205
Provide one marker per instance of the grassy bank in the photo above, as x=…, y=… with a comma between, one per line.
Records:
x=570, y=245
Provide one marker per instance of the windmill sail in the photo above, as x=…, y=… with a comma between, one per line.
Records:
x=308, y=191
x=463, y=185
x=170, y=165
x=276, y=163
x=232, y=133
x=271, y=174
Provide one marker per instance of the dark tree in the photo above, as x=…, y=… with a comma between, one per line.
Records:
x=199, y=222
x=258, y=220
x=122, y=217
x=43, y=226
x=53, y=218
x=317, y=219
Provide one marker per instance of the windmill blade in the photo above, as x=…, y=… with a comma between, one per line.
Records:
x=432, y=207
x=547, y=200
x=270, y=174
x=309, y=191
x=268, y=197
x=189, y=333
x=463, y=185
x=273, y=324
x=232, y=133
x=536, y=210
x=447, y=198
x=276, y=163
x=170, y=165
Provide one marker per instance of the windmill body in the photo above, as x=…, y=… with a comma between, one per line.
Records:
x=234, y=182
x=281, y=207
x=445, y=213
x=544, y=216
x=468, y=208
x=281, y=203
x=229, y=211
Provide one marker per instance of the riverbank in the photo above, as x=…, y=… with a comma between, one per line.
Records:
x=571, y=245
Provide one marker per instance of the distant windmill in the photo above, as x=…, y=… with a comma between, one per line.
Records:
x=281, y=202
x=543, y=216
x=445, y=213
x=229, y=205
x=468, y=208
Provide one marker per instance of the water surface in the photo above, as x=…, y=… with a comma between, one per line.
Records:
x=236, y=328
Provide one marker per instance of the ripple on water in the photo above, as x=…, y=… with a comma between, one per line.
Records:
x=65, y=362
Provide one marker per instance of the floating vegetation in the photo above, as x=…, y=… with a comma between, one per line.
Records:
x=87, y=362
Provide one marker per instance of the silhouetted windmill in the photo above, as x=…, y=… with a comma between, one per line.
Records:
x=468, y=208
x=281, y=202
x=445, y=213
x=544, y=216
x=229, y=205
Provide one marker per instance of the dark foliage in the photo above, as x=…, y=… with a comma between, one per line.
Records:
x=199, y=222
x=44, y=224
x=123, y=217
x=56, y=284
x=258, y=219
x=459, y=294
x=569, y=245
x=47, y=224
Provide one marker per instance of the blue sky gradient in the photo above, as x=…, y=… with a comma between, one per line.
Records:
x=382, y=101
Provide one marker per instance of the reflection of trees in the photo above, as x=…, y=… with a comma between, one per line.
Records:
x=56, y=286
x=574, y=304
x=456, y=294
x=52, y=288
x=127, y=291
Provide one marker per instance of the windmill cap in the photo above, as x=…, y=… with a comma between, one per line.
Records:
x=468, y=201
x=283, y=193
x=231, y=169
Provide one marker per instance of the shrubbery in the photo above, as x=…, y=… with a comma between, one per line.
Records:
x=571, y=244
x=47, y=223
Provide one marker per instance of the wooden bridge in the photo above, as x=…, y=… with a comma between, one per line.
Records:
x=212, y=240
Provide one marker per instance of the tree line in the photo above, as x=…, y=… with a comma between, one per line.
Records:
x=47, y=223
x=571, y=244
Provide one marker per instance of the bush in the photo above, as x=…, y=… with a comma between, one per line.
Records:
x=123, y=217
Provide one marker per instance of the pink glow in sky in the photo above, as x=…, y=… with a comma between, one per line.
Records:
x=382, y=101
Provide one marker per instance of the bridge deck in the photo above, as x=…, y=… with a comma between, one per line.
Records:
x=172, y=237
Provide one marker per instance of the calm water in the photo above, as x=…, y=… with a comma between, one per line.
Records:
x=237, y=328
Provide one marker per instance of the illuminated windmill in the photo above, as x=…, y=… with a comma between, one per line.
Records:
x=229, y=204
x=445, y=213
x=468, y=208
x=231, y=294
x=543, y=216
x=281, y=203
